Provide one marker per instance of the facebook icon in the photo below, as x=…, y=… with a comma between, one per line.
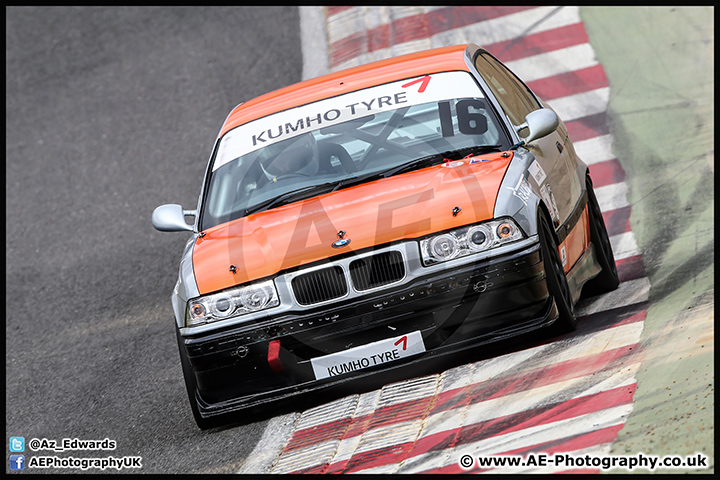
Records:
x=17, y=462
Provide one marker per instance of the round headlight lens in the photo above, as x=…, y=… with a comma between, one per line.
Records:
x=197, y=310
x=222, y=306
x=505, y=230
x=478, y=238
x=444, y=247
x=255, y=298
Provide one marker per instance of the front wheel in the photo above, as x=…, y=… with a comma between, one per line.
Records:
x=607, y=280
x=555, y=277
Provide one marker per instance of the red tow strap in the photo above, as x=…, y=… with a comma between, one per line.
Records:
x=274, y=357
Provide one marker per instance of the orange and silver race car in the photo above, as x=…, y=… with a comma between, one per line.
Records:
x=377, y=217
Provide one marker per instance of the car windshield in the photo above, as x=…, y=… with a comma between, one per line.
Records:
x=348, y=139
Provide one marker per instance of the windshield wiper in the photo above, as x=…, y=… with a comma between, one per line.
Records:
x=415, y=164
x=475, y=150
x=422, y=162
x=433, y=159
x=287, y=197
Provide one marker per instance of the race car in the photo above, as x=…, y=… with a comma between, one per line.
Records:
x=393, y=213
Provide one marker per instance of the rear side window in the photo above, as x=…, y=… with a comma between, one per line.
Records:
x=514, y=97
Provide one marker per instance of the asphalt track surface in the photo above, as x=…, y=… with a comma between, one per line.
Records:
x=104, y=123
x=111, y=112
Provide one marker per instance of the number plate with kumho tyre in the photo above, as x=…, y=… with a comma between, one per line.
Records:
x=367, y=356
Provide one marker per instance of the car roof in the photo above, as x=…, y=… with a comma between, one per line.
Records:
x=356, y=78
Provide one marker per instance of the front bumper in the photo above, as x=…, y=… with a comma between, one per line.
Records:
x=455, y=310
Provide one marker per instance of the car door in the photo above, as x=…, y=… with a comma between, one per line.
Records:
x=551, y=171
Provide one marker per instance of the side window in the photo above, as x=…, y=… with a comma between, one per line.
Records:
x=513, y=95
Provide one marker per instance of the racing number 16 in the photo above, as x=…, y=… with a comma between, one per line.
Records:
x=469, y=123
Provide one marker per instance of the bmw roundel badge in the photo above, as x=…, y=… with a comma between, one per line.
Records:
x=343, y=241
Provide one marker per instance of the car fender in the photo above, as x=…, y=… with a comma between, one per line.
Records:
x=186, y=286
x=517, y=197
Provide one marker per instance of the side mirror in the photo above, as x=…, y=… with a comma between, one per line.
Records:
x=538, y=124
x=171, y=218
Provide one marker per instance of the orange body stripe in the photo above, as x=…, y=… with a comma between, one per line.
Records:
x=577, y=241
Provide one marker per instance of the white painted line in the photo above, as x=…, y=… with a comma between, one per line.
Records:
x=561, y=350
x=389, y=435
x=397, y=13
x=551, y=431
x=329, y=412
x=527, y=400
x=318, y=454
x=374, y=17
x=624, y=245
x=516, y=440
x=548, y=394
x=346, y=23
x=359, y=20
x=595, y=150
x=346, y=449
x=488, y=369
x=529, y=69
x=554, y=63
x=628, y=293
x=612, y=197
x=408, y=390
x=507, y=27
x=457, y=377
x=592, y=344
x=581, y=104
x=575, y=347
x=334, y=451
x=367, y=403
x=313, y=39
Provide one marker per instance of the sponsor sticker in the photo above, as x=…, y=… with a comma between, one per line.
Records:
x=350, y=106
x=366, y=356
x=473, y=161
x=455, y=163
x=537, y=172
x=521, y=190
x=547, y=195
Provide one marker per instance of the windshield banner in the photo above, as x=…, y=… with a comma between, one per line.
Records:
x=295, y=121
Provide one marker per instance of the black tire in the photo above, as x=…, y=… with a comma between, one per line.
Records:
x=607, y=280
x=191, y=386
x=555, y=277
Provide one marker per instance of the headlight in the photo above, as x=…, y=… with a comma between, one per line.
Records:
x=443, y=247
x=468, y=240
x=231, y=303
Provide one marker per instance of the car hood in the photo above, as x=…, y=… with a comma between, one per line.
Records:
x=406, y=206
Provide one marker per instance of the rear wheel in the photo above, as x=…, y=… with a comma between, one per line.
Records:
x=555, y=276
x=607, y=280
